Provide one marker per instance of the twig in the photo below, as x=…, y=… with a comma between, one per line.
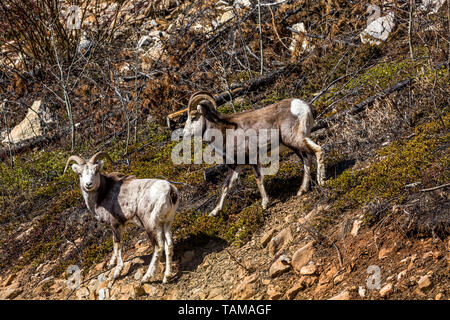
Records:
x=314, y=36
x=339, y=254
x=275, y=29
x=273, y=4
x=435, y=188
x=235, y=260
x=324, y=123
x=410, y=25
x=260, y=38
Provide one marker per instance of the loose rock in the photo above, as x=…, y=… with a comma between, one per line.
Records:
x=386, y=290
x=344, y=295
x=302, y=256
x=425, y=283
x=278, y=268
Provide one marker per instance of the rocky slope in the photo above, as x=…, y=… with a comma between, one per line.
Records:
x=380, y=227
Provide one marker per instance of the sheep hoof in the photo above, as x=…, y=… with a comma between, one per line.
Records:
x=117, y=274
x=264, y=204
x=147, y=276
x=168, y=277
x=300, y=193
x=214, y=213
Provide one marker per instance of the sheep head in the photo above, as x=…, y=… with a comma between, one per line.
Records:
x=198, y=105
x=89, y=172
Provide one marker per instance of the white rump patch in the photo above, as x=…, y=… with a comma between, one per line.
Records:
x=299, y=107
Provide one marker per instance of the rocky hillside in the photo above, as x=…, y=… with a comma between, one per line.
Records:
x=105, y=76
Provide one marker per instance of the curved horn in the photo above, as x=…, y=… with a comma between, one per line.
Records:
x=199, y=96
x=99, y=155
x=75, y=158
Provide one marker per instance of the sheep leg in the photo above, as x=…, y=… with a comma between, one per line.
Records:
x=168, y=246
x=113, y=259
x=232, y=175
x=157, y=252
x=319, y=157
x=260, y=182
x=117, y=232
x=306, y=175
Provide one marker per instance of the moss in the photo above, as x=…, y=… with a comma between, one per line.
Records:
x=399, y=164
x=273, y=97
x=230, y=108
x=245, y=225
x=235, y=228
x=243, y=76
x=95, y=253
x=39, y=253
x=385, y=74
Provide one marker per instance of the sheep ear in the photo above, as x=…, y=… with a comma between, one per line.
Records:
x=100, y=165
x=78, y=169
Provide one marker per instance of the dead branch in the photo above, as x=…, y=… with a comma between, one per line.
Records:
x=324, y=123
x=435, y=188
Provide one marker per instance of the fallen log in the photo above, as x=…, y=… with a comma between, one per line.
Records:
x=17, y=148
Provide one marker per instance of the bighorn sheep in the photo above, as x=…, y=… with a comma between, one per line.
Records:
x=120, y=200
x=291, y=118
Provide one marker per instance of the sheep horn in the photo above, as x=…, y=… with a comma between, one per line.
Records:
x=197, y=97
x=99, y=155
x=75, y=158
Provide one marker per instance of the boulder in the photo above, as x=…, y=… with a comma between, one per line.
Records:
x=138, y=274
x=278, y=268
x=32, y=126
x=154, y=41
x=362, y=291
x=299, y=41
x=242, y=4
x=103, y=294
x=280, y=241
x=302, y=256
x=308, y=270
x=425, y=283
x=378, y=30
